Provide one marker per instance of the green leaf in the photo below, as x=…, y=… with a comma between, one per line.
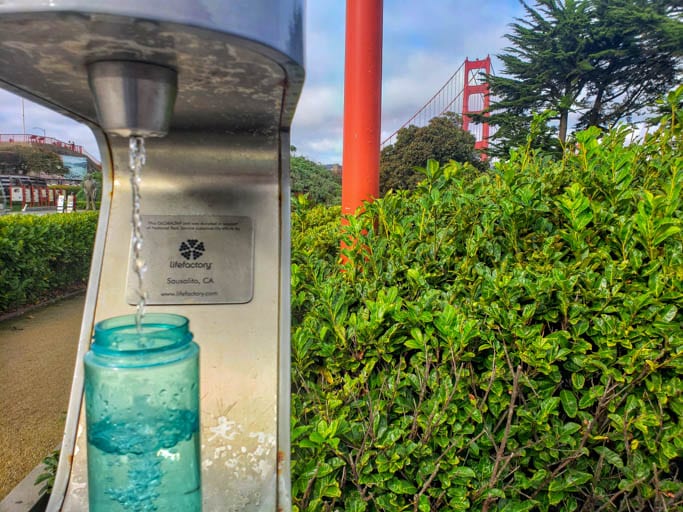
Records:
x=570, y=428
x=610, y=456
x=355, y=503
x=493, y=493
x=665, y=231
x=42, y=477
x=632, y=403
x=329, y=488
x=569, y=403
x=556, y=497
x=549, y=405
x=576, y=478
x=401, y=486
x=669, y=313
x=413, y=343
x=578, y=380
x=463, y=472
x=669, y=450
x=525, y=506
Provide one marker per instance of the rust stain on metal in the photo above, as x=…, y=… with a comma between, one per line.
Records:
x=280, y=460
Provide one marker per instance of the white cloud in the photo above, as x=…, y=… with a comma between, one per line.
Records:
x=319, y=104
x=325, y=145
x=424, y=43
x=39, y=120
x=405, y=91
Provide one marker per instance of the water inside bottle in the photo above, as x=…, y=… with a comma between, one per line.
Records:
x=148, y=461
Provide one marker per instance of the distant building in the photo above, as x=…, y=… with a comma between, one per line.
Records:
x=335, y=169
x=74, y=157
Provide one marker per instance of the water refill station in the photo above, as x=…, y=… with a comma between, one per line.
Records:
x=219, y=79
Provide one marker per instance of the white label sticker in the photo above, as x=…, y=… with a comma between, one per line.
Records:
x=195, y=259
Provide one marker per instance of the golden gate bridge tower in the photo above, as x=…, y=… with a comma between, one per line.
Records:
x=476, y=99
x=466, y=92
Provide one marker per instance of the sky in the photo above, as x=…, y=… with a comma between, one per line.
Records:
x=424, y=43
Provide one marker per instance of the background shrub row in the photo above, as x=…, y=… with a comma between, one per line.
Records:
x=509, y=340
x=43, y=255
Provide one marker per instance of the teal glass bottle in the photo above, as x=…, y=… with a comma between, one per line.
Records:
x=142, y=416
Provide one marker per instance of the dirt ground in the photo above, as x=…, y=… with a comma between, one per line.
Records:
x=37, y=358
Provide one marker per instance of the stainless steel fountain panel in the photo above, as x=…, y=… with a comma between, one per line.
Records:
x=225, y=82
x=224, y=162
x=244, y=347
x=133, y=98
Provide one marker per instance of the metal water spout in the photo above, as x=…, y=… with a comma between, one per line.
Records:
x=219, y=79
x=133, y=98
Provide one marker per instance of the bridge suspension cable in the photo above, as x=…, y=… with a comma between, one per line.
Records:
x=465, y=92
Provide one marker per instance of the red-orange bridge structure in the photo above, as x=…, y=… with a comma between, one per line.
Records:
x=44, y=189
x=464, y=93
x=58, y=146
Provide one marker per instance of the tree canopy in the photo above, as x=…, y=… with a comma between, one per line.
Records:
x=314, y=180
x=443, y=139
x=31, y=160
x=601, y=60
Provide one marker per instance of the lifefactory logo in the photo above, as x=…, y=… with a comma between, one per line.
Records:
x=191, y=249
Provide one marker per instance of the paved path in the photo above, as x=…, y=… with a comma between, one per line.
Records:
x=37, y=358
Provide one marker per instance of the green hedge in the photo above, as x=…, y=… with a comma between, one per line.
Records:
x=503, y=341
x=41, y=255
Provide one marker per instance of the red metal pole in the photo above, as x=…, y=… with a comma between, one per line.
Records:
x=362, y=103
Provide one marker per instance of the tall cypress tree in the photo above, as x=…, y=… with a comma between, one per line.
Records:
x=603, y=60
x=635, y=57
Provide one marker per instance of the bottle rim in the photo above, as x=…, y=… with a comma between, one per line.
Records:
x=119, y=335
